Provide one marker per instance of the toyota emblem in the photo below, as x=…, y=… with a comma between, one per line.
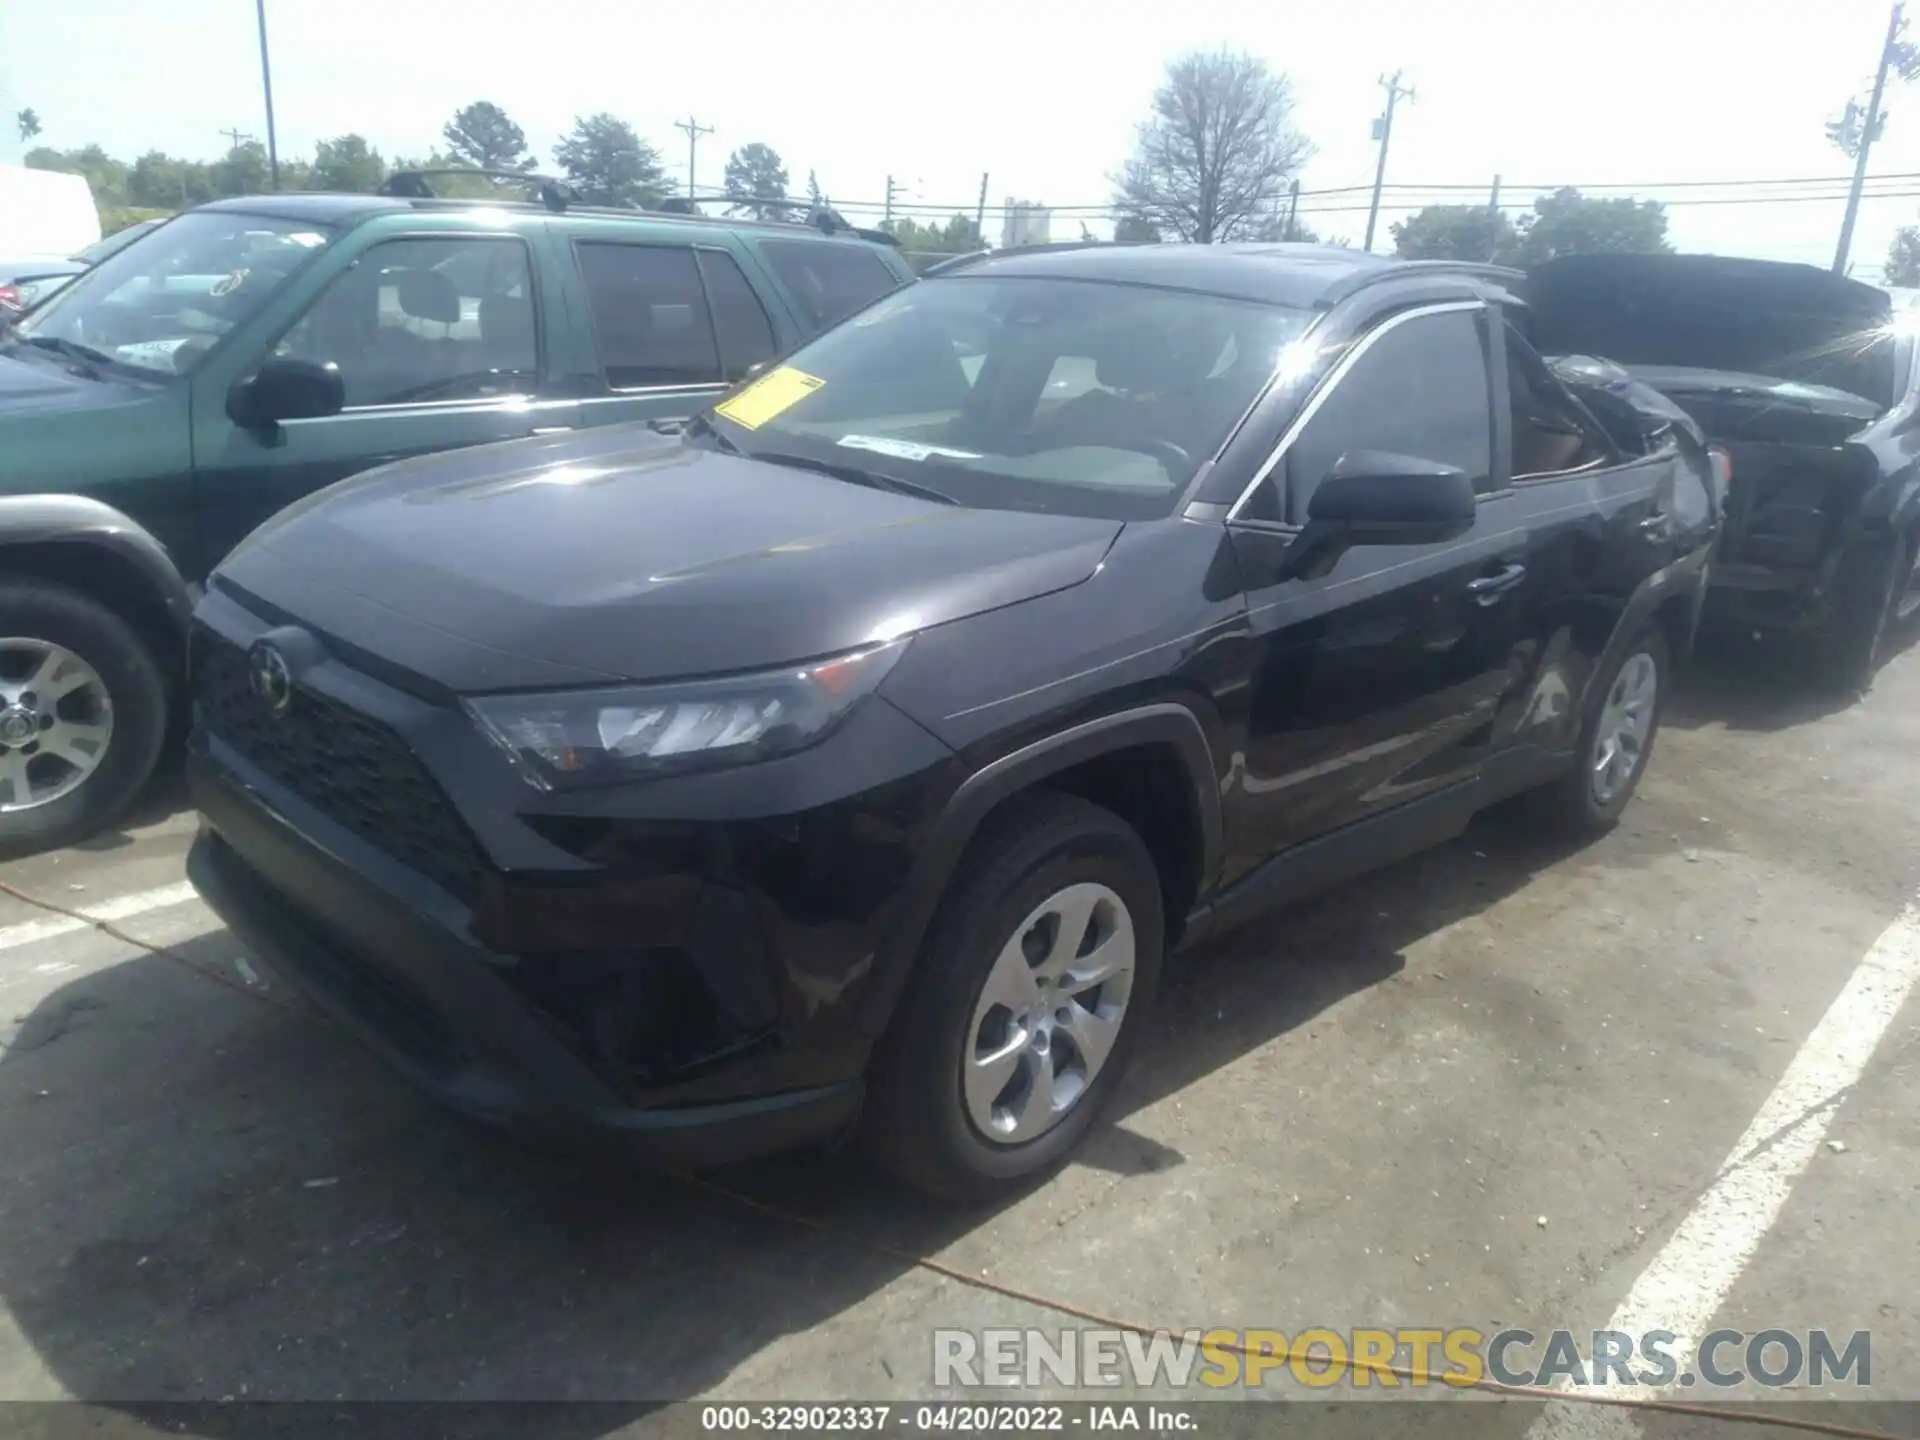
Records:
x=272, y=681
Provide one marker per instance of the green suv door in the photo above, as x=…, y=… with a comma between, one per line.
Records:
x=443, y=336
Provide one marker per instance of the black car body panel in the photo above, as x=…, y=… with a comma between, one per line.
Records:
x=1801, y=376
x=618, y=568
x=696, y=941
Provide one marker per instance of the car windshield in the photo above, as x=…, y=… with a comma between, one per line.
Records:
x=159, y=306
x=1022, y=392
x=114, y=243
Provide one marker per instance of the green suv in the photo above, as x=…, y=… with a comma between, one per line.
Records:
x=251, y=351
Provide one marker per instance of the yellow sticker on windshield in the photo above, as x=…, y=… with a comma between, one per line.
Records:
x=774, y=393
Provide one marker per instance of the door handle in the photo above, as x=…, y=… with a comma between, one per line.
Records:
x=1489, y=588
x=551, y=430
x=1657, y=527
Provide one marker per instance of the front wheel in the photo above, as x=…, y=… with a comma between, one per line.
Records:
x=83, y=714
x=1616, y=740
x=1030, y=997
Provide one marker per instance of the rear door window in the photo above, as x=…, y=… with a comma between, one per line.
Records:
x=828, y=281
x=651, y=325
x=739, y=319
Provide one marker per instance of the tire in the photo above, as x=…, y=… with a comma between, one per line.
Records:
x=1849, y=648
x=1045, y=850
x=1576, y=804
x=132, y=698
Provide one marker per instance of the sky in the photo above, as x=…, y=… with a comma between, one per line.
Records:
x=1041, y=95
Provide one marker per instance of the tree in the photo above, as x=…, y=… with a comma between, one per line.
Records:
x=161, y=181
x=1133, y=230
x=609, y=164
x=482, y=136
x=1217, y=152
x=1455, y=232
x=1903, y=257
x=242, y=170
x=959, y=236
x=28, y=120
x=755, y=175
x=348, y=164
x=105, y=176
x=1567, y=223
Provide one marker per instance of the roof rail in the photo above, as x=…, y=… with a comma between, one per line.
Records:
x=559, y=196
x=820, y=216
x=553, y=193
x=1386, y=270
x=974, y=257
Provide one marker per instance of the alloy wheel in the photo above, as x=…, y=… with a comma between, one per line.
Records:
x=1048, y=1014
x=1626, y=725
x=56, y=722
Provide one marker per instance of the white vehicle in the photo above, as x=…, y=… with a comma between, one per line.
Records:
x=45, y=214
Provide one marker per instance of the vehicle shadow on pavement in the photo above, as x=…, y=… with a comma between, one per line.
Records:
x=1760, y=684
x=208, y=1197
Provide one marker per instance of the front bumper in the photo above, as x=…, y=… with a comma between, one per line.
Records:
x=434, y=1002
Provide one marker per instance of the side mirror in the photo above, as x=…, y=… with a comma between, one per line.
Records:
x=1372, y=497
x=286, y=389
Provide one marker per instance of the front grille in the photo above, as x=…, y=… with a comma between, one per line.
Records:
x=349, y=767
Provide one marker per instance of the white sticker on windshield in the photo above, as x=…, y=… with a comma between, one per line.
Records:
x=150, y=352
x=903, y=449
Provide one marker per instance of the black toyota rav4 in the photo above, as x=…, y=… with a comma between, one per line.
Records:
x=849, y=762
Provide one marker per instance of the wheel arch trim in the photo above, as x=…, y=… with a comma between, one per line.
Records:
x=1161, y=723
x=43, y=520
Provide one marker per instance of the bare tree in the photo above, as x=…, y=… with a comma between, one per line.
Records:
x=1214, y=160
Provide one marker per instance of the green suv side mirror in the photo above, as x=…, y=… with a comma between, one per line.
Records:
x=286, y=389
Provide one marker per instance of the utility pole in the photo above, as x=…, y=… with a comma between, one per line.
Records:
x=1293, y=208
x=266, y=85
x=980, y=211
x=694, y=130
x=1383, y=132
x=1867, y=136
x=1493, y=200
x=235, y=138
x=888, y=220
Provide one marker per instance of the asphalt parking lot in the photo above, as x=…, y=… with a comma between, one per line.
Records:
x=1489, y=1086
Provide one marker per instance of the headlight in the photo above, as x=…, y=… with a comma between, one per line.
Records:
x=581, y=737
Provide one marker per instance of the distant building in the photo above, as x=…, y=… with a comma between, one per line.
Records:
x=1026, y=223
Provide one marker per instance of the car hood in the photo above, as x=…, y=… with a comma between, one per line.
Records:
x=46, y=385
x=621, y=554
x=1710, y=312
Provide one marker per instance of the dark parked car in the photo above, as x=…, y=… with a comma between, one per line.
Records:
x=858, y=754
x=1807, y=380
x=252, y=351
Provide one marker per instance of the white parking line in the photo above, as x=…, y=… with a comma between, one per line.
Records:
x=124, y=908
x=1692, y=1275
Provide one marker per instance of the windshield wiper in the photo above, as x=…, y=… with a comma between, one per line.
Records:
x=854, y=475
x=698, y=425
x=72, y=349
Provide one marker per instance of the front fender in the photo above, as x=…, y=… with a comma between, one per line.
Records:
x=141, y=563
x=976, y=797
